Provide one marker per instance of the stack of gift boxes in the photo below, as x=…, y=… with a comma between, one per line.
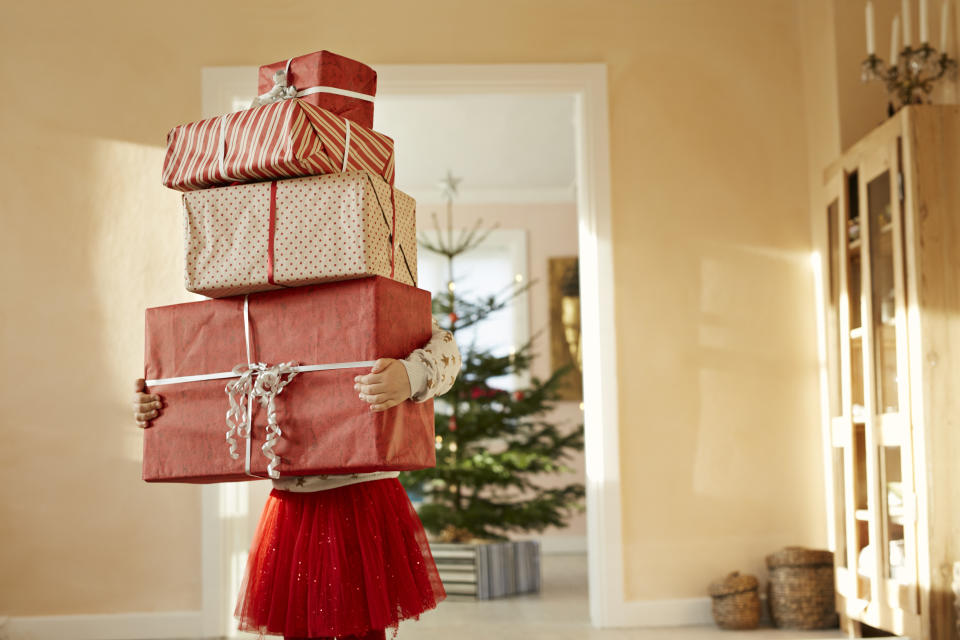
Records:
x=294, y=228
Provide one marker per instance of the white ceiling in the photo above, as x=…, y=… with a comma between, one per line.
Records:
x=506, y=148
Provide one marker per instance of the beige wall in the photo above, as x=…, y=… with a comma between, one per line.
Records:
x=719, y=428
x=716, y=342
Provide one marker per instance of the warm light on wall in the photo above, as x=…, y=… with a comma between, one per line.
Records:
x=816, y=267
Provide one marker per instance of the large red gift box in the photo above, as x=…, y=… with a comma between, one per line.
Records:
x=285, y=139
x=324, y=427
x=330, y=81
x=267, y=235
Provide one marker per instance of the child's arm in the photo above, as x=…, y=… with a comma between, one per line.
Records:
x=425, y=373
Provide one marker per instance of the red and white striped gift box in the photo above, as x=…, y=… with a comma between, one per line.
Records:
x=286, y=139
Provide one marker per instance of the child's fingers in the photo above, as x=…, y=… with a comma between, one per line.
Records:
x=381, y=364
x=388, y=402
x=384, y=406
x=145, y=416
x=144, y=405
x=376, y=398
x=372, y=398
x=143, y=425
x=140, y=390
x=371, y=378
x=371, y=388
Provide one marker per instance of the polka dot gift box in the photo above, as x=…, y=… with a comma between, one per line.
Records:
x=269, y=235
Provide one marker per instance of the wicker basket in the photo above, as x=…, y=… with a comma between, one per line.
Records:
x=801, y=589
x=736, y=602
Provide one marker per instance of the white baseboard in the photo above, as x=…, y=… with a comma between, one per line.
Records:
x=119, y=626
x=682, y=612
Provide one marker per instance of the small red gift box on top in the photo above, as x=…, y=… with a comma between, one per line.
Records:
x=330, y=81
x=313, y=341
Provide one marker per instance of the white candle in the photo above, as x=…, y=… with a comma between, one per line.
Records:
x=907, y=26
x=871, y=50
x=895, y=41
x=924, y=36
x=944, y=21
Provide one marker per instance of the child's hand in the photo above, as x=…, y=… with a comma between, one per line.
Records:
x=146, y=407
x=387, y=385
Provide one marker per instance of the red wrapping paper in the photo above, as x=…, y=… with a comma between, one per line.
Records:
x=285, y=139
x=326, y=69
x=326, y=428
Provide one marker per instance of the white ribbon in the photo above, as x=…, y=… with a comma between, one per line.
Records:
x=260, y=382
x=283, y=90
x=280, y=92
x=336, y=91
x=264, y=383
x=222, y=148
x=346, y=146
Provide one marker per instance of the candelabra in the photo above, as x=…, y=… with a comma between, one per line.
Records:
x=910, y=77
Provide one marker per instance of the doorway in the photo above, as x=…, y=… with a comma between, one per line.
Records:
x=228, y=518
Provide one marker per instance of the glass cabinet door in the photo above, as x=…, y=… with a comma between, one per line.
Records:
x=845, y=383
x=834, y=296
x=888, y=429
x=883, y=293
x=853, y=267
x=839, y=424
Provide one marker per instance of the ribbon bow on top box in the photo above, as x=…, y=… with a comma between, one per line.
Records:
x=338, y=84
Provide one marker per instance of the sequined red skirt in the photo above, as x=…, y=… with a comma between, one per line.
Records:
x=338, y=563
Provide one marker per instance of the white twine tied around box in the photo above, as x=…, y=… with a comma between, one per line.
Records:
x=263, y=383
x=260, y=382
x=283, y=91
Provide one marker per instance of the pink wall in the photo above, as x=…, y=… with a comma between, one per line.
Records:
x=551, y=232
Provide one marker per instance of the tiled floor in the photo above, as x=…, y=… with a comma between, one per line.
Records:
x=559, y=613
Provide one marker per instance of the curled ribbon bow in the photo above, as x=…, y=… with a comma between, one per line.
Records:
x=263, y=383
x=280, y=91
x=283, y=90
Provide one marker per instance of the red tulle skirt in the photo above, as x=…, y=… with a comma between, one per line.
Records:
x=338, y=563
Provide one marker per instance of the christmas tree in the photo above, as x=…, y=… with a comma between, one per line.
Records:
x=493, y=445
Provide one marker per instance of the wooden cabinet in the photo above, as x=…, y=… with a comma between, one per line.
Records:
x=891, y=283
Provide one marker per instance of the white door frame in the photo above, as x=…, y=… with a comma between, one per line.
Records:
x=588, y=84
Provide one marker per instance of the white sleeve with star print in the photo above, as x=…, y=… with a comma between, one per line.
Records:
x=433, y=369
